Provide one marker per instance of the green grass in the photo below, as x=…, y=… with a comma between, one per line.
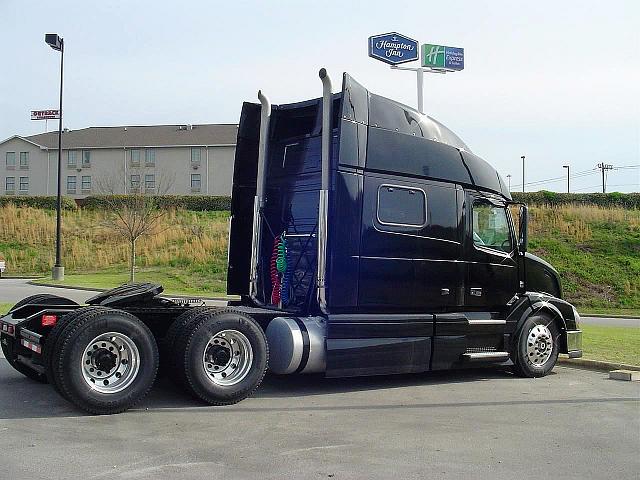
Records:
x=612, y=344
x=4, y=307
x=597, y=253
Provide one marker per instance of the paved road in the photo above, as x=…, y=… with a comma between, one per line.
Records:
x=12, y=290
x=573, y=424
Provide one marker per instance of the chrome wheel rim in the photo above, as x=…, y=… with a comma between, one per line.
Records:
x=110, y=363
x=539, y=345
x=227, y=358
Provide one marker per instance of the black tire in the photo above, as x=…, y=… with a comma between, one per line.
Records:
x=45, y=299
x=50, y=351
x=525, y=350
x=170, y=364
x=191, y=347
x=7, y=349
x=68, y=362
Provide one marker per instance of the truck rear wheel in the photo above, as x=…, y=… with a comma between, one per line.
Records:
x=224, y=357
x=7, y=350
x=536, y=351
x=105, y=361
x=50, y=352
x=168, y=359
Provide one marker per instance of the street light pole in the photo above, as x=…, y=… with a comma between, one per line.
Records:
x=57, y=43
x=522, y=157
x=509, y=180
x=568, y=167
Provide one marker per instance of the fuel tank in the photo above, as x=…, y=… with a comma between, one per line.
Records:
x=297, y=345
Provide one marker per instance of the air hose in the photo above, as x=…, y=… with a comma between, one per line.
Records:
x=275, y=278
x=286, y=271
x=280, y=271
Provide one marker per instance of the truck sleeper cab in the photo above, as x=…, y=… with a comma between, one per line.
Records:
x=365, y=239
x=401, y=249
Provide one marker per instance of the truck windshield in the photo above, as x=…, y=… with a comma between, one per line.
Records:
x=490, y=227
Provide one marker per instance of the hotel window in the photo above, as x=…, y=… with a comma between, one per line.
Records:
x=135, y=181
x=150, y=182
x=24, y=184
x=195, y=182
x=86, y=182
x=149, y=157
x=10, y=184
x=71, y=184
x=24, y=160
x=86, y=158
x=196, y=155
x=11, y=160
x=135, y=157
x=72, y=159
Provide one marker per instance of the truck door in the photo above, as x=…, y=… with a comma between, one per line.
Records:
x=492, y=271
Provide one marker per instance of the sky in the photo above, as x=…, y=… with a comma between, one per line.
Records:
x=556, y=81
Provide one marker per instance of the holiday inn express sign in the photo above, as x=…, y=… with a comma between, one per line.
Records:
x=441, y=57
x=393, y=48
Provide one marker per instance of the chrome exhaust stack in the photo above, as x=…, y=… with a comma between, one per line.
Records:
x=323, y=207
x=258, y=202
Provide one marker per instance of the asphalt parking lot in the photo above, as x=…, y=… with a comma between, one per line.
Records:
x=455, y=425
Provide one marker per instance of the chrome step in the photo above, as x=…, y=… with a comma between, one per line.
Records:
x=486, y=356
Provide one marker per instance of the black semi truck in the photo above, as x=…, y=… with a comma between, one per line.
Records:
x=365, y=239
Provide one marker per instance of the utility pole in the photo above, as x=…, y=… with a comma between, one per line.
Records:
x=509, y=180
x=568, y=167
x=604, y=167
x=522, y=157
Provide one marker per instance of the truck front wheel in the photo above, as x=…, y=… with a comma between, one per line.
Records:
x=224, y=356
x=536, y=351
x=106, y=361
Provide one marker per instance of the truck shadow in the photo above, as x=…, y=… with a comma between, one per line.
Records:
x=21, y=397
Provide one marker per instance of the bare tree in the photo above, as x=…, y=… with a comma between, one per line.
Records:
x=139, y=213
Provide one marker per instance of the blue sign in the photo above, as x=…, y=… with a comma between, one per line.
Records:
x=393, y=48
x=454, y=58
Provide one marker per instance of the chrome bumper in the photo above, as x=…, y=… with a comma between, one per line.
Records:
x=574, y=343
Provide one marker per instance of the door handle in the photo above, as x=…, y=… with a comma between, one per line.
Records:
x=476, y=291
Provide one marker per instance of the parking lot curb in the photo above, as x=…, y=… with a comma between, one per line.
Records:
x=603, y=315
x=596, y=364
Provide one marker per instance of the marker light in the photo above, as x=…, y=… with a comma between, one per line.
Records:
x=49, y=320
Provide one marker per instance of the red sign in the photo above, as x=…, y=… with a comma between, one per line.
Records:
x=45, y=114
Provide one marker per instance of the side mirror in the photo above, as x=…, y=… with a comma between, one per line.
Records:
x=523, y=236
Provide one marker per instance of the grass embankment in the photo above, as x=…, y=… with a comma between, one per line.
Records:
x=4, y=308
x=595, y=249
x=187, y=253
x=597, y=252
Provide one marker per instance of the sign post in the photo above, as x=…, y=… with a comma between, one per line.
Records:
x=395, y=49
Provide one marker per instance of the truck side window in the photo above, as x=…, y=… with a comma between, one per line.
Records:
x=490, y=227
x=402, y=206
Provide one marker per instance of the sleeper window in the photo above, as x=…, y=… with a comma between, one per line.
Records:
x=401, y=206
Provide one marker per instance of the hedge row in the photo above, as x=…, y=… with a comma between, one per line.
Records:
x=614, y=199
x=210, y=203
x=186, y=202
x=46, y=203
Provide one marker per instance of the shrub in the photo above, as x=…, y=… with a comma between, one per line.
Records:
x=198, y=203
x=46, y=203
x=614, y=199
